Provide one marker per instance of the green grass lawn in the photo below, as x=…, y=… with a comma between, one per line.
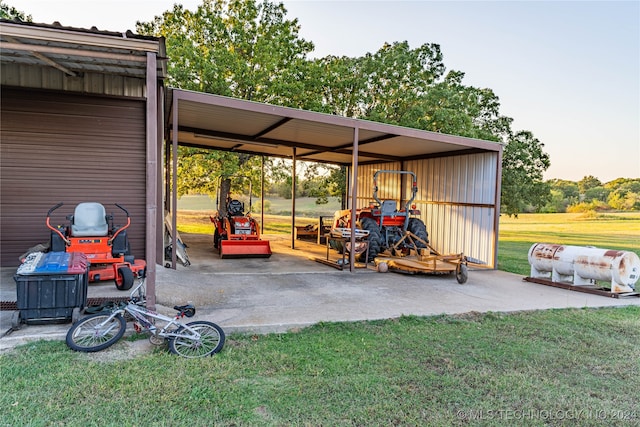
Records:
x=620, y=231
x=555, y=367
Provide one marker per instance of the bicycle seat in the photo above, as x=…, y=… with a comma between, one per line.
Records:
x=188, y=309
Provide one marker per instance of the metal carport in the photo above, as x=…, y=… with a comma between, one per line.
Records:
x=210, y=121
x=464, y=180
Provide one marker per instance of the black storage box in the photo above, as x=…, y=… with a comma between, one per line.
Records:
x=47, y=295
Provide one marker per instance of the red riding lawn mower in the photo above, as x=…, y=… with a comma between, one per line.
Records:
x=92, y=232
x=389, y=228
x=237, y=235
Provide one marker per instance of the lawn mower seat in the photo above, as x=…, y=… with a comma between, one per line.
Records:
x=89, y=219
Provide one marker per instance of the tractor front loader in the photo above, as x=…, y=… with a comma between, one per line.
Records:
x=237, y=234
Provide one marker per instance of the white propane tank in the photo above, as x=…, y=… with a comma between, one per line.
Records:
x=584, y=265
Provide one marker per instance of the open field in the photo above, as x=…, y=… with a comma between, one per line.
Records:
x=194, y=212
x=305, y=206
x=620, y=230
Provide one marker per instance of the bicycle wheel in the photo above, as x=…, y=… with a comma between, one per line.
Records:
x=90, y=334
x=210, y=342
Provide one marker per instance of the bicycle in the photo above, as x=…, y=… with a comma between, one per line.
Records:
x=101, y=330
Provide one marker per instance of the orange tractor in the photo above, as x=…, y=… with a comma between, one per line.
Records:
x=237, y=235
x=92, y=232
x=388, y=226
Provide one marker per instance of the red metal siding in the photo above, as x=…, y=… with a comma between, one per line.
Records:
x=56, y=148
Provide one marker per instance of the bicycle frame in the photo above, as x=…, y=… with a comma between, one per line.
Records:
x=143, y=316
x=101, y=330
x=147, y=317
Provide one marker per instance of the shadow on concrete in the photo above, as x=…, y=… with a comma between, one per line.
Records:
x=291, y=290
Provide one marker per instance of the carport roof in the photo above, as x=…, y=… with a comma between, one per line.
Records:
x=229, y=124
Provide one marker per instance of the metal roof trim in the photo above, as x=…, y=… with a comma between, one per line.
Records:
x=317, y=117
x=258, y=107
x=87, y=37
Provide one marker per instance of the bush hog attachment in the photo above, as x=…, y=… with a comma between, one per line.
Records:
x=237, y=235
x=91, y=231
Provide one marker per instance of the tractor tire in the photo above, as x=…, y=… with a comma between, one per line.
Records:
x=375, y=239
x=417, y=227
x=216, y=239
x=337, y=245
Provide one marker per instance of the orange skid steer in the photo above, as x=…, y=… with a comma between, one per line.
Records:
x=237, y=235
x=106, y=246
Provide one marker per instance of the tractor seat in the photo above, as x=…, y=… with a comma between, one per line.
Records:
x=388, y=207
x=89, y=219
x=235, y=207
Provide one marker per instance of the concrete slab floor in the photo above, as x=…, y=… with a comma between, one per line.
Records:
x=291, y=290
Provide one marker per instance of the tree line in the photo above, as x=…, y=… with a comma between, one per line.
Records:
x=590, y=194
x=251, y=50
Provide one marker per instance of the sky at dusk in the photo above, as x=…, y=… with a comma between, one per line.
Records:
x=568, y=71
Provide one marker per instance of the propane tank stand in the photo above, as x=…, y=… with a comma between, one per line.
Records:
x=581, y=268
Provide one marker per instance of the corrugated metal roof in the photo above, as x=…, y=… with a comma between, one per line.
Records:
x=218, y=122
x=78, y=50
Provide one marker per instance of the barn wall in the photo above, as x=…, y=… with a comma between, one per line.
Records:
x=456, y=197
x=388, y=185
x=57, y=147
x=50, y=78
